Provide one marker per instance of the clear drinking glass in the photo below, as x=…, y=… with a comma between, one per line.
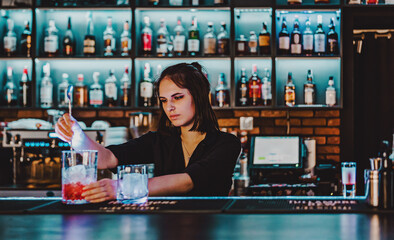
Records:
x=132, y=184
x=349, y=179
x=79, y=168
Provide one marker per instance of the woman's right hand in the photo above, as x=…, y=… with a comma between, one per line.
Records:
x=66, y=127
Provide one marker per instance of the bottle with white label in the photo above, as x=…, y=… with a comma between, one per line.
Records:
x=210, y=41
x=307, y=39
x=96, y=94
x=125, y=82
x=284, y=39
x=162, y=39
x=309, y=89
x=51, y=40
x=10, y=39
x=62, y=98
x=331, y=93
x=295, y=45
x=111, y=90
x=146, y=88
x=266, y=93
x=253, y=43
x=179, y=38
x=193, y=43
x=125, y=40
x=109, y=39
x=320, y=37
x=46, y=88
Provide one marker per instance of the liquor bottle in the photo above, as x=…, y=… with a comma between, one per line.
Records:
x=109, y=39
x=26, y=40
x=322, y=1
x=255, y=88
x=146, y=38
x=125, y=40
x=241, y=46
x=264, y=41
x=332, y=39
x=223, y=40
x=51, y=40
x=309, y=89
x=69, y=41
x=320, y=37
x=146, y=88
x=284, y=39
x=10, y=90
x=111, y=90
x=386, y=177
x=46, y=88
x=372, y=1
x=25, y=89
x=307, y=38
x=162, y=39
x=193, y=43
x=331, y=93
x=10, y=39
x=290, y=91
x=96, y=94
x=62, y=98
x=295, y=43
x=218, y=2
x=125, y=84
x=294, y=2
x=266, y=87
x=153, y=2
x=252, y=43
x=89, y=43
x=222, y=93
x=242, y=89
x=210, y=41
x=80, y=93
x=179, y=39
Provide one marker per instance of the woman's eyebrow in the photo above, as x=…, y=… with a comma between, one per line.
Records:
x=173, y=95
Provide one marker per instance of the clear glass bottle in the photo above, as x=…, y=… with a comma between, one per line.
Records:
x=264, y=41
x=242, y=89
x=96, y=93
x=319, y=37
x=80, y=93
x=290, y=94
x=26, y=40
x=266, y=88
x=284, y=39
x=332, y=39
x=331, y=92
x=309, y=89
x=69, y=41
x=222, y=93
x=252, y=43
x=210, y=41
x=10, y=90
x=241, y=46
x=146, y=88
x=255, y=88
x=307, y=39
x=109, y=39
x=125, y=40
x=193, y=43
x=295, y=42
x=162, y=39
x=51, y=40
x=223, y=40
x=46, y=88
x=125, y=83
x=10, y=39
x=62, y=98
x=25, y=89
x=89, y=42
x=179, y=38
x=146, y=38
x=111, y=90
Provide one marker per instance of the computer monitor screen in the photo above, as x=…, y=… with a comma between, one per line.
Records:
x=276, y=152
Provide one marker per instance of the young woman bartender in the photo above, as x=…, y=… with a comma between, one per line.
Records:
x=191, y=156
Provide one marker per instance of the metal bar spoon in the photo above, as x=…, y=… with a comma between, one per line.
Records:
x=69, y=96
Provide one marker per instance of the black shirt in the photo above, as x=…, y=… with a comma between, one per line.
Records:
x=210, y=167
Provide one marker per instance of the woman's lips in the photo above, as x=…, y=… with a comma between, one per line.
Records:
x=174, y=116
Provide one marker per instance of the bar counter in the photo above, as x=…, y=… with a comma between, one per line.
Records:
x=196, y=218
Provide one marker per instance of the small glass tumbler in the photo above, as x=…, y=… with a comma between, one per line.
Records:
x=132, y=184
x=79, y=168
x=349, y=179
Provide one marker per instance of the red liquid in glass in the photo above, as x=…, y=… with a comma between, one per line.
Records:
x=72, y=191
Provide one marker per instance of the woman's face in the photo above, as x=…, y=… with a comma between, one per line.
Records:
x=178, y=103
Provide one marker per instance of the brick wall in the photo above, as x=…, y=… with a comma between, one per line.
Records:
x=322, y=125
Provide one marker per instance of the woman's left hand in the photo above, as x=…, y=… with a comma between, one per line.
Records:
x=100, y=191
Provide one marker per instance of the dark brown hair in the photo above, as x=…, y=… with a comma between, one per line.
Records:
x=191, y=77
